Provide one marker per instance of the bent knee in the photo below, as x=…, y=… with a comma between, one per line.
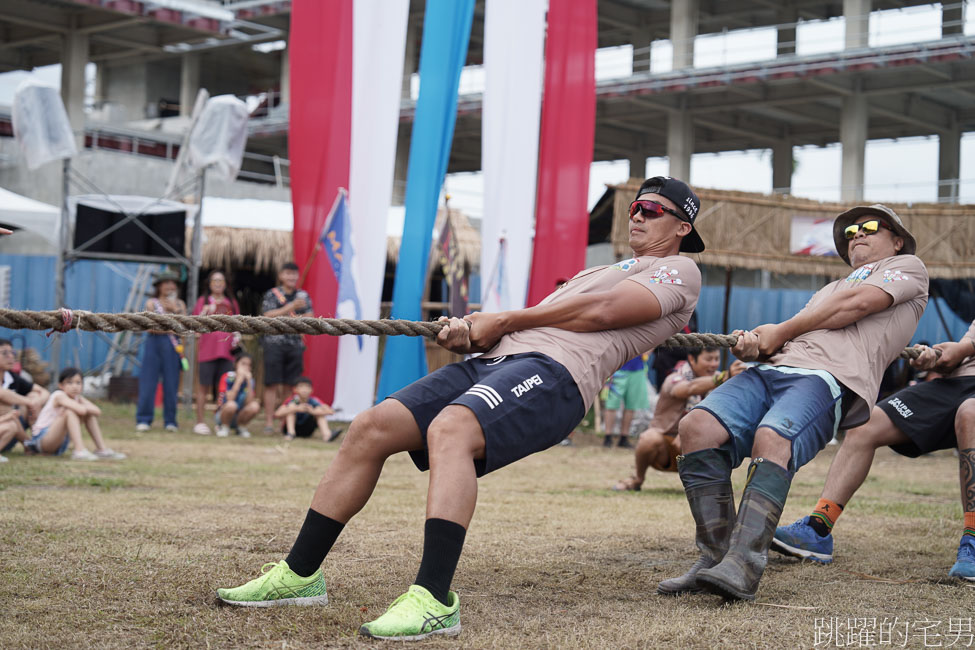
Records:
x=965, y=416
x=455, y=429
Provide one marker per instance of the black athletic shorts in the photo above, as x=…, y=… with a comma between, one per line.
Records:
x=304, y=426
x=211, y=371
x=525, y=403
x=925, y=413
x=282, y=364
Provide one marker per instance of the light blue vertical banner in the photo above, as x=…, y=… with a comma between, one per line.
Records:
x=446, y=32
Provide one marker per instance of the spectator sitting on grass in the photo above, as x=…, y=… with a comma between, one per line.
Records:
x=20, y=394
x=11, y=432
x=236, y=405
x=60, y=422
x=304, y=413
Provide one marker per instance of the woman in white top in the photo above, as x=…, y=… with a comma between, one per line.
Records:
x=59, y=422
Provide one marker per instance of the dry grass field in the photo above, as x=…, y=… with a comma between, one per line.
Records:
x=128, y=554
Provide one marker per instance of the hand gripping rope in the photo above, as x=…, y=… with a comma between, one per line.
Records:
x=64, y=320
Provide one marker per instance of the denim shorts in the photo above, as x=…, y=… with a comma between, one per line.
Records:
x=34, y=443
x=803, y=406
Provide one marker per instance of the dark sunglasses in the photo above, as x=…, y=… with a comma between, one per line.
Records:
x=868, y=227
x=652, y=210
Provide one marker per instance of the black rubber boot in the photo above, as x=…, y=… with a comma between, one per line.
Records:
x=737, y=576
x=706, y=475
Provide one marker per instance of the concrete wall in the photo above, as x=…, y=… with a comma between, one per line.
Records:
x=115, y=173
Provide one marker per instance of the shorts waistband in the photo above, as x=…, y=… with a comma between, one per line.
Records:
x=834, y=386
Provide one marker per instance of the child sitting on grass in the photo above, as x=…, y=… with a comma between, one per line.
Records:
x=304, y=413
x=236, y=405
x=59, y=422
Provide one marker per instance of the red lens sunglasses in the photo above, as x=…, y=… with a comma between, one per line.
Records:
x=652, y=210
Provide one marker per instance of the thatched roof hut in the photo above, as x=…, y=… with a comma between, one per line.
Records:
x=263, y=251
x=751, y=231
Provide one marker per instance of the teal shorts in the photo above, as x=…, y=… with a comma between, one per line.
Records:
x=629, y=389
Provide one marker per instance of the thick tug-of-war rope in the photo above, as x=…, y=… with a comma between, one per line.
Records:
x=64, y=320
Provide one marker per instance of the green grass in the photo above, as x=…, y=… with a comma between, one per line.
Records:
x=128, y=553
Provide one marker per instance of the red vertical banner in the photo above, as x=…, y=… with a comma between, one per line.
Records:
x=319, y=140
x=565, y=146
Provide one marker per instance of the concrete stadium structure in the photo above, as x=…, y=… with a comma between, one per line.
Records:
x=153, y=55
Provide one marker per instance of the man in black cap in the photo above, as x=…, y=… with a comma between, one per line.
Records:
x=541, y=368
x=821, y=367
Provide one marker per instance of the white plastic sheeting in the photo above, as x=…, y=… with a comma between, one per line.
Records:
x=218, y=140
x=41, y=124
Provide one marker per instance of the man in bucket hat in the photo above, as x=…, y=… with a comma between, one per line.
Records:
x=926, y=417
x=540, y=371
x=820, y=368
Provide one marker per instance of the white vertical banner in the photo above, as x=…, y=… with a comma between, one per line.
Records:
x=514, y=39
x=378, y=45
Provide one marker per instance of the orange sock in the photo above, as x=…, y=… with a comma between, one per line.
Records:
x=828, y=512
x=970, y=523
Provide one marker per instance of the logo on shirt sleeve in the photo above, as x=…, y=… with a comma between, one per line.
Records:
x=663, y=275
x=860, y=274
x=625, y=265
x=894, y=276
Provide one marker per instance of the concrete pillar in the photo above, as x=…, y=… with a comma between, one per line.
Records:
x=74, y=58
x=782, y=164
x=949, y=164
x=680, y=144
x=683, y=29
x=412, y=54
x=285, y=77
x=189, y=82
x=641, y=42
x=101, y=84
x=638, y=164
x=853, y=139
x=786, y=33
x=953, y=18
x=857, y=15
x=402, y=163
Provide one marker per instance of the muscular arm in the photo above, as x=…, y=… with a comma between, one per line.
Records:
x=834, y=312
x=625, y=305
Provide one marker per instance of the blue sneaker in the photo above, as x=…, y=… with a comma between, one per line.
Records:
x=798, y=539
x=964, y=568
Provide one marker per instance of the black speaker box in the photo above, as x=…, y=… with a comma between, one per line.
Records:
x=129, y=239
x=171, y=228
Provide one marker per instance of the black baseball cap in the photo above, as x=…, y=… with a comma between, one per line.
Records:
x=687, y=204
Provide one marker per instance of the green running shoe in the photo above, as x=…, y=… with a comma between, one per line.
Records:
x=416, y=615
x=277, y=585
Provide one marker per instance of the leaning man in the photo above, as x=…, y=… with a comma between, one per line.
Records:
x=540, y=371
x=820, y=369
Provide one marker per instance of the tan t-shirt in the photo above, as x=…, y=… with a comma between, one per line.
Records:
x=858, y=354
x=967, y=367
x=670, y=408
x=590, y=357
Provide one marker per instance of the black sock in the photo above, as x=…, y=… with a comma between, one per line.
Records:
x=315, y=540
x=819, y=526
x=442, y=543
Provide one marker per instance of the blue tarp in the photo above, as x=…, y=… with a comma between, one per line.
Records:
x=91, y=285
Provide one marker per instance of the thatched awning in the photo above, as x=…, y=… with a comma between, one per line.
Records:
x=751, y=231
x=468, y=239
x=266, y=250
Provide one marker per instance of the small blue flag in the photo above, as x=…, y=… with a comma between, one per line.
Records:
x=336, y=239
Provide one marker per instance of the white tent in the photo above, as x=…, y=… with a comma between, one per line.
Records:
x=34, y=224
